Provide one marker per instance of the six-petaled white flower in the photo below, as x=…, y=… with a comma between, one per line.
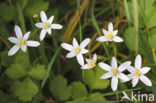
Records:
x=21, y=41
x=76, y=50
x=115, y=72
x=137, y=72
x=109, y=35
x=46, y=25
x=90, y=62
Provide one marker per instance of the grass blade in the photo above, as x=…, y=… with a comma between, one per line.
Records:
x=49, y=67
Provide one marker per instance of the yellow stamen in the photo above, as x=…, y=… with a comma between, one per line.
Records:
x=137, y=73
x=91, y=63
x=46, y=25
x=109, y=36
x=115, y=72
x=77, y=50
x=21, y=42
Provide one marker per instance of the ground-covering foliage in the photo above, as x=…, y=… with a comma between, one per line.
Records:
x=45, y=74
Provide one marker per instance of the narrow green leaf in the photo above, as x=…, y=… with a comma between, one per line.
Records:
x=49, y=67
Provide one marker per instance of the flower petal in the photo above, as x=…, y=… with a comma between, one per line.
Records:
x=50, y=20
x=106, y=75
x=110, y=27
x=18, y=31
x=80, y=59
x=104, y=66
x=70, y=55
x=33, y=43
x=39, y=25
x=13, y=39
x=43, y=16
x=56, y=26
x=13, y=50
x=131, y=69
x=67, y=46
x=114, y=83
x=85, y=42
x=85, y=67
x=24, y=48
x=130, y=76
x=123, y=77
x=84, y=51
x=144, y=70
x=145, y=80
x=105, y=32
x=135, y=81
x=42, y=34
x=117, y=39
x=48, y=30
x=26, y=36
x=114, y=63
x=115, y=32
x=138, y=62
x=95, y=57
x=124, y=65
x=101, y=39
x=75, y=43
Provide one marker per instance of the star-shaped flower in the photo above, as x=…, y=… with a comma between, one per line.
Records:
x=46, y=25
x=76, y=49
x=115, y=72
x=21, y=41
x=137, y=72
x=110, y=35
x=90, y=62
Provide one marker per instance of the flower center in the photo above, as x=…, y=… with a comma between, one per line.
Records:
x=21, y=42
x=115, y=72
x=46, y=25
x=77, y=50
x=109, y=36
x=137, y=73
x=91, y=64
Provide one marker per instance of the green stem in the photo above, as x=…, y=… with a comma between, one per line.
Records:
x=80, y=31
x=136, y=22
x=117, y=95
x=153, y=52
x=21, y=17
x=57, y=60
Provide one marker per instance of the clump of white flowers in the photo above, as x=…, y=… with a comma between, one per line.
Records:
x=137, y=72
x=77, y=50
x=110, y=35
x=46, y=25
x=21, y=41
x=114, y=71
x=91, y=63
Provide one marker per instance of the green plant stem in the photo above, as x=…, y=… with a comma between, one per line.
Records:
x=97, y=28
x=117, y=95
x=49, y=67
x=127, y=12
x=136, y=24
x=154, y=56
x=80, y=31
x=21, y=17
x=57, y=60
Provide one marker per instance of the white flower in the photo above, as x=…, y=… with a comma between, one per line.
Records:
x=76, y=50
x=90, y=62
x=138, y=72
x=21, y=41
x=110, y=35
x=115, y=72
x=46, y=25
